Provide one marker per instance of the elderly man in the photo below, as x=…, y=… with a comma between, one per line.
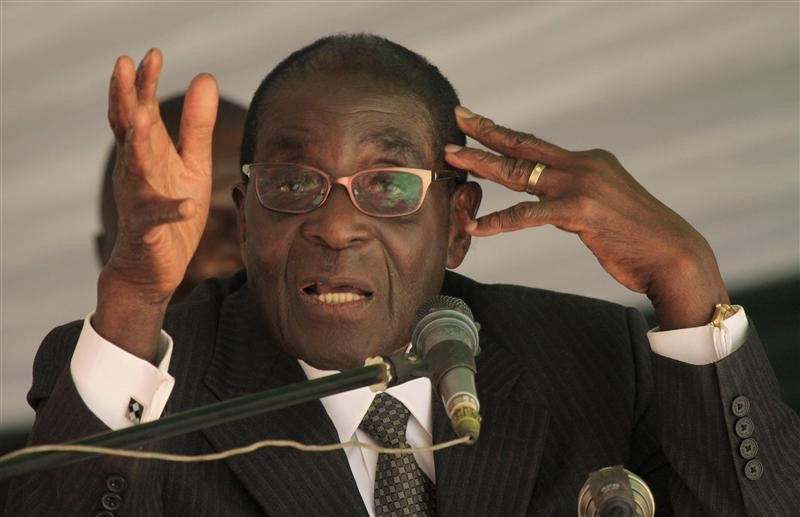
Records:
x=353, y=205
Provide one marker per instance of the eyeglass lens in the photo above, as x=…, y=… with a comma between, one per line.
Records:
x=293, y=189
x=290, y=189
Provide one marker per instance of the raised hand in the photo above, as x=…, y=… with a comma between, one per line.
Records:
x=637, y=239
x=162, y=193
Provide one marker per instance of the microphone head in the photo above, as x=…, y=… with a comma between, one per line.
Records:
x=441, y=318
x=446, y=337
x=443, y=302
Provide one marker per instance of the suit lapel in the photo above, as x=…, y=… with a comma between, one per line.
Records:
x=283, y=481
x=496, y=475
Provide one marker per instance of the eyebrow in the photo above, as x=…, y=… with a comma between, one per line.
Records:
x=394, y=142
x=293, y=141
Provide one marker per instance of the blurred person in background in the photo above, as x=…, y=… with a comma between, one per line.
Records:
x=218, y=254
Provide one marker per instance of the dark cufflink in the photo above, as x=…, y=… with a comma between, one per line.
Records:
x=135, y=411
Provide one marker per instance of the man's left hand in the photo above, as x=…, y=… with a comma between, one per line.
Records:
x=641, y=242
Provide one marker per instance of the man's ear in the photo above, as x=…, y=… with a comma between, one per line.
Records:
x=239, y=194
x=464, y=203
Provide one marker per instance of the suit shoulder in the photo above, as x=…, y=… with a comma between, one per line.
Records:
x=194, y=323
x=213, y=290
x=500, y=299
x=203, y=303
x=536, y=322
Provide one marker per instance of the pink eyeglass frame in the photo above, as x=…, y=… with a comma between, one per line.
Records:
x=427, y=176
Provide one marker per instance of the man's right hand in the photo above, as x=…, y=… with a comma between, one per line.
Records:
x=162, y=194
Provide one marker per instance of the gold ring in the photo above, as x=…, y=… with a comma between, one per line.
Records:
x=533, y=179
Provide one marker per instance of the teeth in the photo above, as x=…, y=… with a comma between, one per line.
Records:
x=339, y=297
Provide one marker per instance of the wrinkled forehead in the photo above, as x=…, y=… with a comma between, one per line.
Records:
x=327, y=111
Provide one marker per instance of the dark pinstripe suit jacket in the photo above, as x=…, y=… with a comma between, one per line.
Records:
x=567, y=385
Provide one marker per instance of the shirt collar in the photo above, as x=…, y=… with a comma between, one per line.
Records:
x=347, y=409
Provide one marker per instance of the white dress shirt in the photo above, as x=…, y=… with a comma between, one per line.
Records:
x=347, y=409
x=107, y=377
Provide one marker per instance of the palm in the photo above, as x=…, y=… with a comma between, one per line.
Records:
x=171, y=246
x=162, y=193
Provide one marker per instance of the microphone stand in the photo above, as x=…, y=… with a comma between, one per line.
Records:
x=379, y=373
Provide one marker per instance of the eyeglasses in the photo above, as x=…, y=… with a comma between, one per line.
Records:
x=383, y=192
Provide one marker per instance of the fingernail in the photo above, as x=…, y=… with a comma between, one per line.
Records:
x=452, y=148
x=146, y=58
x=463, y=112
x=471, y=225
x=116, y=67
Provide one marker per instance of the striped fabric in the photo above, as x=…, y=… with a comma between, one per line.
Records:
x=567, y=386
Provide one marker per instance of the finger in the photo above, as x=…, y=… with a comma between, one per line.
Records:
x=509, y=142
x=147, y=75
x=156, y=211
x=122, y=99
x=197, y=122
x=527, y=214
x=509, y=172
x=138, y=149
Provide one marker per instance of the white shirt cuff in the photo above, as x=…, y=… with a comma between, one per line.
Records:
x=107, y=378
x=701, y=345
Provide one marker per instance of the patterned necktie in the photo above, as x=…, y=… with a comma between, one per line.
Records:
x=401, y=488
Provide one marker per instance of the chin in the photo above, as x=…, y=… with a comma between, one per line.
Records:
x=333, y=357
x=339, y=352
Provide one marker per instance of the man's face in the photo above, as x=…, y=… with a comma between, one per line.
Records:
x=342, y=125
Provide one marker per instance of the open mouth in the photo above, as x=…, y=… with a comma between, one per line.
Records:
x=335, y=293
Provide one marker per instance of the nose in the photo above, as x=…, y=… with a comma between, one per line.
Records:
x=337, y=224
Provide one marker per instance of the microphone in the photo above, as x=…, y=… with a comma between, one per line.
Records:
x=615, y=492
x=446, y=337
